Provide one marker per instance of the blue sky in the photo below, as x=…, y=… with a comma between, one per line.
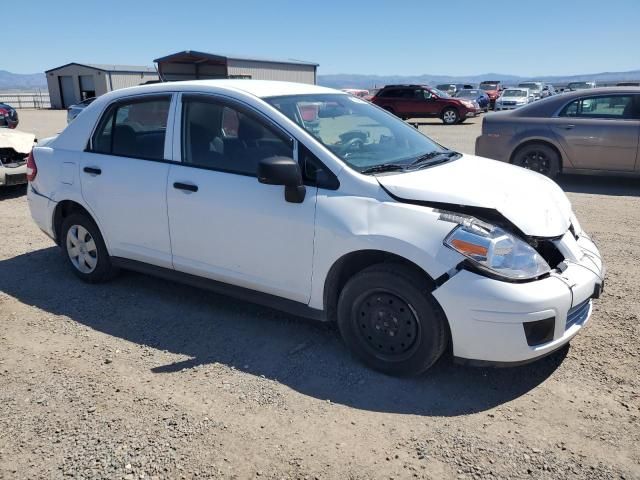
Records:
x=457, y=37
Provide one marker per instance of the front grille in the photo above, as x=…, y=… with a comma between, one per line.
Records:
x=578, y=314
x=548, y=251
x=508, y=103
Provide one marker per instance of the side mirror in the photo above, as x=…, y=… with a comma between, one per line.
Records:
x=283, y=171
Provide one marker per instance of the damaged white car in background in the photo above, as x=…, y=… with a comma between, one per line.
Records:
x=14, y=148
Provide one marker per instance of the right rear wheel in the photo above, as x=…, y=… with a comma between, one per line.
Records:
x=85, y=249
x=540, y=158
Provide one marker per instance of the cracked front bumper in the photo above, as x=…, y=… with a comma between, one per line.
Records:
x=486, y=316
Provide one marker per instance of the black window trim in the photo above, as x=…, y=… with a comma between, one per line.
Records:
x=128, y=101
x=635, y=99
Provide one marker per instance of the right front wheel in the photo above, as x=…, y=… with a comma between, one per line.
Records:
x=450, y=116
x=388, y=319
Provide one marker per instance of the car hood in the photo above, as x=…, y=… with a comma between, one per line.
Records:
x=21, y=142
x=536, y=205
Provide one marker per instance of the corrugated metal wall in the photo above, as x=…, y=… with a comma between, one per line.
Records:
x=272, y=71
x=187, y=71
x=117, y=80
x=74, y=71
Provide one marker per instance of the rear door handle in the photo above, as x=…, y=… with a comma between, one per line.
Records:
x=92, y=170
x=185, y=186
x=568, y=127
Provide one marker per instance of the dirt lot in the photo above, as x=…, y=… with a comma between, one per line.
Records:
x=142, y=378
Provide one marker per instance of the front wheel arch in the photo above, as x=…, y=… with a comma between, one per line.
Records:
x=354, y=262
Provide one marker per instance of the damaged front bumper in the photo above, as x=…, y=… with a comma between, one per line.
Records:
x=493, y=321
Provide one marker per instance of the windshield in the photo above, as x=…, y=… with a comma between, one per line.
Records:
x=445, y=87
x=531, y=86
x=489, y=86
x=514, y=93
x=468, y=93
x=441, y=93
x=357, y=132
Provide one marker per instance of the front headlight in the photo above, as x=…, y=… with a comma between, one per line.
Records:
x=467, y=104
x=493, y=249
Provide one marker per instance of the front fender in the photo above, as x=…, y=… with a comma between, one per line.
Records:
x=346, y=224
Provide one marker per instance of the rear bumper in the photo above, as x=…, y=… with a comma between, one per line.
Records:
x=487, y=317
x=13, y=176
x=495, y=147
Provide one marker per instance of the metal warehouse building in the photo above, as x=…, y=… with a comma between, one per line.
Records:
x=190, y=65
x=74, y=82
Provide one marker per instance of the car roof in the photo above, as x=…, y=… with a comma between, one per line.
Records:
x=548, y=106
x=258, y=88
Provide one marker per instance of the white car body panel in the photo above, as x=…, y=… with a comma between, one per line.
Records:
x=270, y=250
x=511, y=190
x=21, y=142
x=238, y=231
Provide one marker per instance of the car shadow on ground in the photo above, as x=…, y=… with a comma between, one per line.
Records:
x=13, y=191
x=304, y=355
x=601, y=185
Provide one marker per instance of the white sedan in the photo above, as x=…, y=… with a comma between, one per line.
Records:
x=316, y=202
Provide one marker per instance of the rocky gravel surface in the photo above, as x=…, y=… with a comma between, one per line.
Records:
x=142, y=378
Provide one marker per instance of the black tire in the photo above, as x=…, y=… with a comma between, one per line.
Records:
x=389, y=320
x=103, y=269
x=538, y=157
x=450, y=116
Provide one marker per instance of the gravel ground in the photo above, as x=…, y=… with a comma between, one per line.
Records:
x=143, y=378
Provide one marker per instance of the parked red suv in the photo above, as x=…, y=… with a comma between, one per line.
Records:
x=493, y=88
x=420, y=101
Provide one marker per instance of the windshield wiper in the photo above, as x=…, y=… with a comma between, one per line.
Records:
x=383, y=167
x=431, y=158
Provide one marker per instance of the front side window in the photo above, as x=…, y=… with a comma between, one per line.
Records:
x=134, y=128
x=360, y=134
x=614, y=107
x=223, y=137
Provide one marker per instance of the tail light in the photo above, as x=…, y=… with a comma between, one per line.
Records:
x=32, y=168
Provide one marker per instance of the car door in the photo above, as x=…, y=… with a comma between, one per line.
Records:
x=224, y=224
x=599, y=132
x=124, y=177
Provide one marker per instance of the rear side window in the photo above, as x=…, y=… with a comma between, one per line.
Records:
x=397, y=93
x=614, y=107
x=134, y=129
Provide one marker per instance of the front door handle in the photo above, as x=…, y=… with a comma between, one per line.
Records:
x=568, y=127
x=92, y=170
x=185, y=186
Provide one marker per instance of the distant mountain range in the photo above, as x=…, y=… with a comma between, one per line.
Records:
x=22, y=81
x=371, y=81
x=34, y=81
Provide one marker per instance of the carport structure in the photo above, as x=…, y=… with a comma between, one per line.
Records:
x=192, y=65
